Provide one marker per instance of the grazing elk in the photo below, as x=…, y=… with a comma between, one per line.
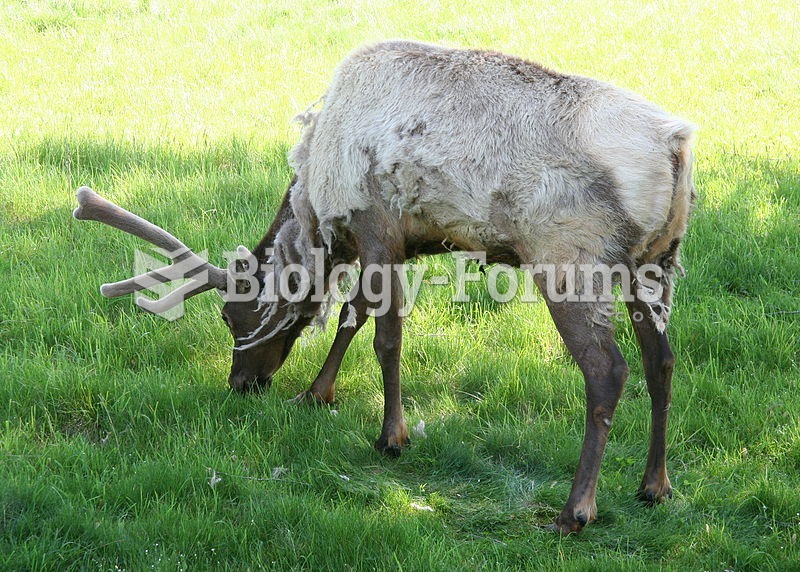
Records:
x=418, y=147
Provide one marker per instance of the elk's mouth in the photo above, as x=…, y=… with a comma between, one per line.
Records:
x=249, y=384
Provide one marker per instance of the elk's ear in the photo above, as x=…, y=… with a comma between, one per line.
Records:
x=244, y=253
x=245, y=264
x=242, y=286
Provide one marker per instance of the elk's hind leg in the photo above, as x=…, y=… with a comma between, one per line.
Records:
x=589, y=336
x=659, y=362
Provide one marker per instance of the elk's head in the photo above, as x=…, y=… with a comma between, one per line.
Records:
x=263, y=336
x=264, y=328
x=270, y=307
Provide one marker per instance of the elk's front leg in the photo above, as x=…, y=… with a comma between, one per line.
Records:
x=352, y=317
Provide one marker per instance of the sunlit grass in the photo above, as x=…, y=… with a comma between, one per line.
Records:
x=114, y=423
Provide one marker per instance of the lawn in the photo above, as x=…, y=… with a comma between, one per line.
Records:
x=121, y=447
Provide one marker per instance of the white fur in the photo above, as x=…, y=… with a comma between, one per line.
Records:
x=490, y=152
x=455, y=134
x=350, y=322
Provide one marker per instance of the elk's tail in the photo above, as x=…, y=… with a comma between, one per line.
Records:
x=664, y=250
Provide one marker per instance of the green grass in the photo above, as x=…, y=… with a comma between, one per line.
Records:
x=113, y=422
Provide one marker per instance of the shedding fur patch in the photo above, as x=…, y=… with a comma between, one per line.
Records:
x=660, y=309
x=320, y=321
x=291, y=247
x=659, y=314
x=350, y=322
x=288, y=320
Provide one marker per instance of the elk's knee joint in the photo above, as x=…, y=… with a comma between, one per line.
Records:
x=603, y=416
x=386, y=345
x=667, y=364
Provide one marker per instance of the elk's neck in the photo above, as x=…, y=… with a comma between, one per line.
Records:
x=281, y=217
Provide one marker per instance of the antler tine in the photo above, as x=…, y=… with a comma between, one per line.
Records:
x=185, y=263
x=172, y=299
x=182, y=267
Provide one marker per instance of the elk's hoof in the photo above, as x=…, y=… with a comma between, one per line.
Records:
x=651, y=496
x=567, y=525
x=391, y=451
x=308, y=398
x=573, y=519
x=391, y=447
x=561, y=528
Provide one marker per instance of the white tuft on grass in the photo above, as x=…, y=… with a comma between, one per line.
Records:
x=214, y=480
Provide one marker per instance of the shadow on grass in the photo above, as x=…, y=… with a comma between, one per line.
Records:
x=740, y=301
